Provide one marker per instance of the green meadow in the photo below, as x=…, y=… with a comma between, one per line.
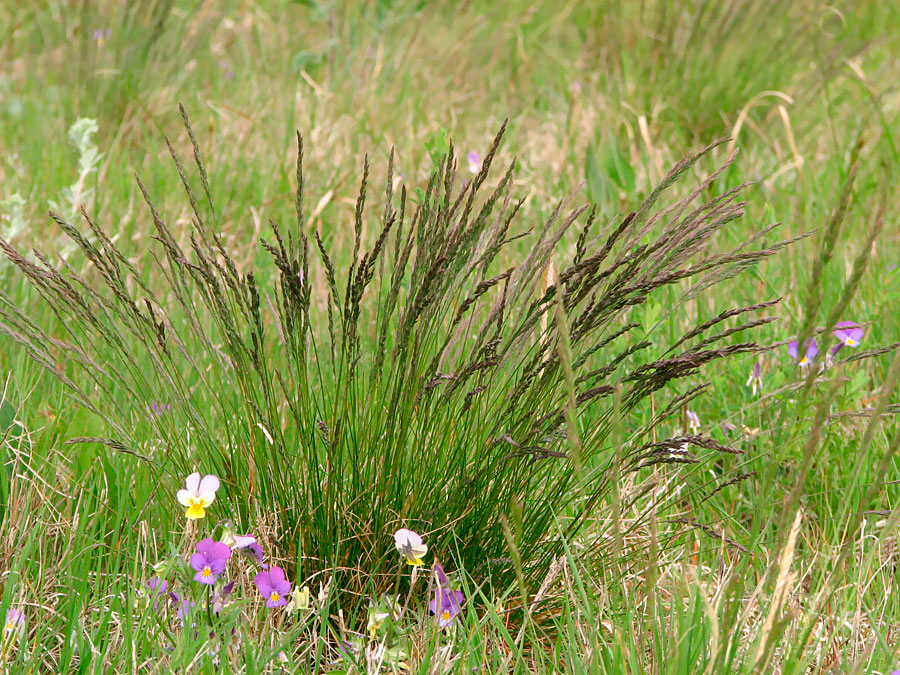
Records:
x=514, y=337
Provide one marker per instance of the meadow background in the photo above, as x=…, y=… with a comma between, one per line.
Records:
x=790, y=569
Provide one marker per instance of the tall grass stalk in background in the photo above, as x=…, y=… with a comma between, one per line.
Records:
x=420, y=385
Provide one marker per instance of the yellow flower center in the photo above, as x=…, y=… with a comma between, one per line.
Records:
x=9, y=628
x=804, y=361
x=196, y=508
x=445, y=616
x=851, y=342
x=274, y=597
x=206, y=571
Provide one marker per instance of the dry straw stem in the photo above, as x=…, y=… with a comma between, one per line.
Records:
x=783, y=585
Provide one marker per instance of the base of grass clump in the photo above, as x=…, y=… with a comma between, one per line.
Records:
x=441, y=376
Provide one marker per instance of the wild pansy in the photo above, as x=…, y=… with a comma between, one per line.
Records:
x=474, y=162
x=159, y=409
x=410, y=547
x=849, y=333
x=447, y=603
x=14, y=624
x=185, y=609
x=222, y=596
x=812, y=349
x=101, y=35
x=693, y=422
x=243, y=543
x=199, y=494
x=755, y=380
x=273, y=586
x=156, y=588
x=209, y=561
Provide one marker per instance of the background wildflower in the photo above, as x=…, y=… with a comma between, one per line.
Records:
x=812, y=348
x=474, y=160
x=693, y=422
x=849, y=333
x=245, y=544
x=222, y=596
x=157, y=587
x=410, y=546
x=273, y=586
x=14, y=624
x=447, y=603
x=199, y=494
x=101, y=35
x=755, y=380
x=209, y=561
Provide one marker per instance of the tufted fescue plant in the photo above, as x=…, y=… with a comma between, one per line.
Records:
x=434, y=381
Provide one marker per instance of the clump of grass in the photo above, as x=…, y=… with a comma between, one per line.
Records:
x=430, y=381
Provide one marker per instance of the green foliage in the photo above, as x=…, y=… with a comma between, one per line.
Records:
x=482, y=387
x=586, y=83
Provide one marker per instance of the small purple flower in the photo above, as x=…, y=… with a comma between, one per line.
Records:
x=15, y=622
x=693, y=422
x=245, y=544
x=101, y=35
x=254, y=551
x=185, y=608
x=474, y=162
x=157, y=588
x=227, y=70
x=273, y=586
x=209, y=561
x=446, y=604
x=159, y=409
x=849, y=333
x=812, y=348
x=222, y=596
x=755, y=379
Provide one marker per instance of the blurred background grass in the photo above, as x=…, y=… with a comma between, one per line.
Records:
x=606, y=93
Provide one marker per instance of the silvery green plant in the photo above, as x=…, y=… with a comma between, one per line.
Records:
x=79, y=194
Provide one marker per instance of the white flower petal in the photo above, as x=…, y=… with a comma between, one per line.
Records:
x=184, y=497
x=209, y=484
x=405, y=539
x=241, y=541
x=193, y=483
x=206, y=498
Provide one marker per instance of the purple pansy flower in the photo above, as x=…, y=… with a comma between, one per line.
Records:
x=101, y=35
x=157, y=588
x=446, y=604
x=185, y=607
x=812, y=348
x=755, y=379
x=222, y=596
x=849, y=333
x=209, y=561
x=254, y=551
x=244, y=543
x=474, y=162
x=693, y=421
x=273, y=586
x=159, y=409
x=15, y=621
